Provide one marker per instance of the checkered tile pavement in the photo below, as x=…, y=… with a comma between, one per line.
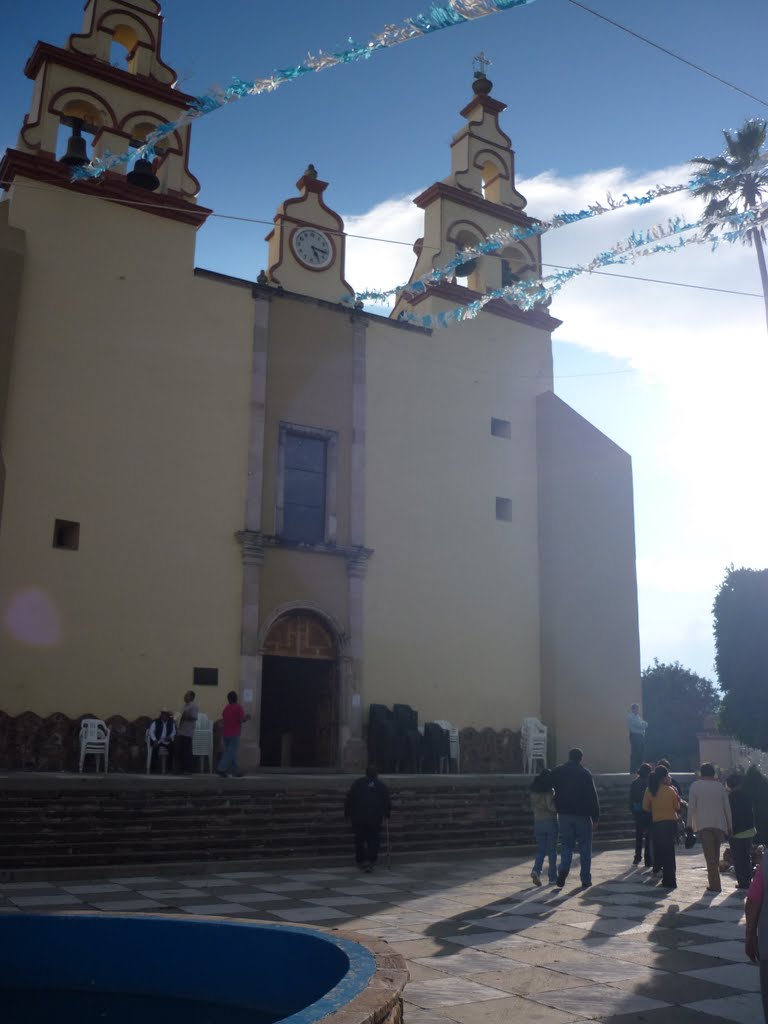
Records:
x=483, y=945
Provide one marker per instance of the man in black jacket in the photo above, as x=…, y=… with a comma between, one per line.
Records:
x=366, y=806
x=578, y=810
x=744, y=830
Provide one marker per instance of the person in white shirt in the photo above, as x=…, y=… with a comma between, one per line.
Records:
x=637, y=728
x=709, y=815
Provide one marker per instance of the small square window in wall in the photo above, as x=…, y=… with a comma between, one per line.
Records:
x=205, y=677
x=501, y=428
x=504, y=509
x=66, y=534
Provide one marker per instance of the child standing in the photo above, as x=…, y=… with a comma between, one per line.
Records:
x=544, y=826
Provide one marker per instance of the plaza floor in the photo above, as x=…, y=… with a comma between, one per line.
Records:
x=483, y=945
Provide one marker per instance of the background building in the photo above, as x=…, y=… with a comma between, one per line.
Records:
x=209, y=482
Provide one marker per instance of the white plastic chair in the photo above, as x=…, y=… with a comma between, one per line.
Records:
x=163, y=756
x=94, y=739
x=202, y=740
x=533, y=741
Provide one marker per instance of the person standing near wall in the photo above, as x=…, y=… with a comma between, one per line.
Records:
x=232, y=719
x=663, y=803
x=637, y=727
x=744, y=831
x=184, y=734
x=709, y=815
x=544, y=826
x=367, y=805
x=642, y=817
x=578, y=811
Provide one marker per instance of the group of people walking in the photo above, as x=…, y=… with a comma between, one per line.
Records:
x=714, y=813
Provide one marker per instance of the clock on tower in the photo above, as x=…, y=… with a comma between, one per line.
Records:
x=307, y=243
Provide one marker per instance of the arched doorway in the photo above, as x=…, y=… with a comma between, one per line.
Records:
x=299, y=693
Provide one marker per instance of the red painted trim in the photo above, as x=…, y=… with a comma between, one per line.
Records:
x=44, y=52
x=155, y=117
x=33, y=124
x=450, y=234
x=487, y=103
x=75, y=89
x=442, y=191
x=281, y=221
x=109, y=186
x=463, y=296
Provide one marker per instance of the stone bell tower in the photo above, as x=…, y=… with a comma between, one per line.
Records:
x=108, y=108
x=477, y=198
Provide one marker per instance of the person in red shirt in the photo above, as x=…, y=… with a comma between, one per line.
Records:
x=233, y=717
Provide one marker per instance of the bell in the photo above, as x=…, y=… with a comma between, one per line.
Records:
x=467, y=268
x=76, y=155
x=142, y=176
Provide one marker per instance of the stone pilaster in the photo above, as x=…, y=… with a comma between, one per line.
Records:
x=352, y=746
x=250, y=538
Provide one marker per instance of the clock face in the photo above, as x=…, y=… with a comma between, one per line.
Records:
x=312, y=247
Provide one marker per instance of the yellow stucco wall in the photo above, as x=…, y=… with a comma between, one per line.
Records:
x=129, y=414
x=451, y=595
x=589, y=631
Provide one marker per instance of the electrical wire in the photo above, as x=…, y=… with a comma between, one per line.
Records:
x=136, y=203
x=670, y=53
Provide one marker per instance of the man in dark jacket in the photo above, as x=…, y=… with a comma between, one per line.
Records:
x=578, y=810
x=744, y=830
x=366, y=806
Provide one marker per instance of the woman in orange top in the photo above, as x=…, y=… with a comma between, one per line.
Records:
x=662, y=801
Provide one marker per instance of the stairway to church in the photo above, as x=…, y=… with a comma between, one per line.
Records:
x=75, y=823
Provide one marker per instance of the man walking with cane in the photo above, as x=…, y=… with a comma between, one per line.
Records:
x=367, y=805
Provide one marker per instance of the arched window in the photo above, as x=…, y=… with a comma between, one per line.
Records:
x=122, y=51
x=492, y=176
x=468, y=273
x=80, y=114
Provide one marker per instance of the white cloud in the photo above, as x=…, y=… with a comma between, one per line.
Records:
x=705, y=352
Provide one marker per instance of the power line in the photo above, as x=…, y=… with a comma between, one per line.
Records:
x=136, y=203
x=670, y=53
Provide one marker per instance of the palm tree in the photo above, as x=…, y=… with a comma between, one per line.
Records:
x=745, y=188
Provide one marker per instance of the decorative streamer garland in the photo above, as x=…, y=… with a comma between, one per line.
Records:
x=527, y=294
x=501, y=239
x=439, y=16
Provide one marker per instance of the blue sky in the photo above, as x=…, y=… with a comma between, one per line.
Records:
x=673, y=375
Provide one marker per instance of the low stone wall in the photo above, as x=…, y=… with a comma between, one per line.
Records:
x=31, y=743
x=490, y=751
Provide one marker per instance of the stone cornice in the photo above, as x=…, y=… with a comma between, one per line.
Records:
x=473, y=202
x=45, y=52
x=463, y=296
x=110, y=186
x=356, y=556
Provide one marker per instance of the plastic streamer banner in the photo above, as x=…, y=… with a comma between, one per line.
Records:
x=499, y=240
x=436, y=18
x=530, y=293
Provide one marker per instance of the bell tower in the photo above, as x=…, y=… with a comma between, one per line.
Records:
x=477, y=199
x=108, y=108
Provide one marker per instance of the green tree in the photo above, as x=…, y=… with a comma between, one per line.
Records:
x=675, y=703
x=741, y=645
x=744, y=189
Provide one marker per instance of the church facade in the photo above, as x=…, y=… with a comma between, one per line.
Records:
x=213, y=483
